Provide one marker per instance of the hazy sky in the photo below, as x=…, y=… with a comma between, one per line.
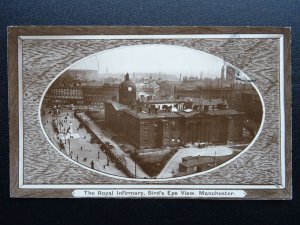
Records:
x=153, y=59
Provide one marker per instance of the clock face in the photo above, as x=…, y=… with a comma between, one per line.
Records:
x=129, y=88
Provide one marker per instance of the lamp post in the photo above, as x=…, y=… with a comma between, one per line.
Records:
x=135, y=163
x=199, y=109
x=215, y=162
x=69, y=145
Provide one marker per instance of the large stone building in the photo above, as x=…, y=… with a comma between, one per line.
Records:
x=87, y=94
x=97, y=94
x=64, y=95
x=145, y=130
x=158, y=124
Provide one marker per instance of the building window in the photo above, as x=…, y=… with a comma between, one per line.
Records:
x=173, y=125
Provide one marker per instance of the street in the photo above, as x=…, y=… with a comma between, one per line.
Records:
x=104, y=136
x=78, y=147
x=173, y=164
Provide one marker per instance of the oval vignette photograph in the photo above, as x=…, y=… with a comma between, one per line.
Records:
x=151, y=112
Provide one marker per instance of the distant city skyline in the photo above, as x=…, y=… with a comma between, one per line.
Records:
x=173, y=60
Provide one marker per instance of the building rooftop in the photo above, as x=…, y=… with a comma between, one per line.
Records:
x=224, y=112
x=145, y=115
x=117, y=105
x=204, y=88
x=188, y=114
x=197, y=161
x=162, y=101
x=205, y=102
x=65, y=87
x=188, y=158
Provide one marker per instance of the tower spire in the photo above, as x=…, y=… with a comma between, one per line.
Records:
x=222, y=73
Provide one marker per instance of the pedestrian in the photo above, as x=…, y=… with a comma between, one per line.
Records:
x=107, y=162
x=98, y=154
x=92, y=164
x=81, y=148
x=103, y=166
x=77, y=158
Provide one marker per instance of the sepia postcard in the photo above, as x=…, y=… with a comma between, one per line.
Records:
x=150, y=112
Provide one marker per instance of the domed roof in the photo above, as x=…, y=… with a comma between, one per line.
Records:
x=127, y=83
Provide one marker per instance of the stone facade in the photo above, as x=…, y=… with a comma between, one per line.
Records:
x=173, y=129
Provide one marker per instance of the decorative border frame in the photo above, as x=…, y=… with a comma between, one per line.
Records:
x=16, y=34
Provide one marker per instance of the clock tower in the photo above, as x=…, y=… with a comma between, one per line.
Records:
x=127, y=91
